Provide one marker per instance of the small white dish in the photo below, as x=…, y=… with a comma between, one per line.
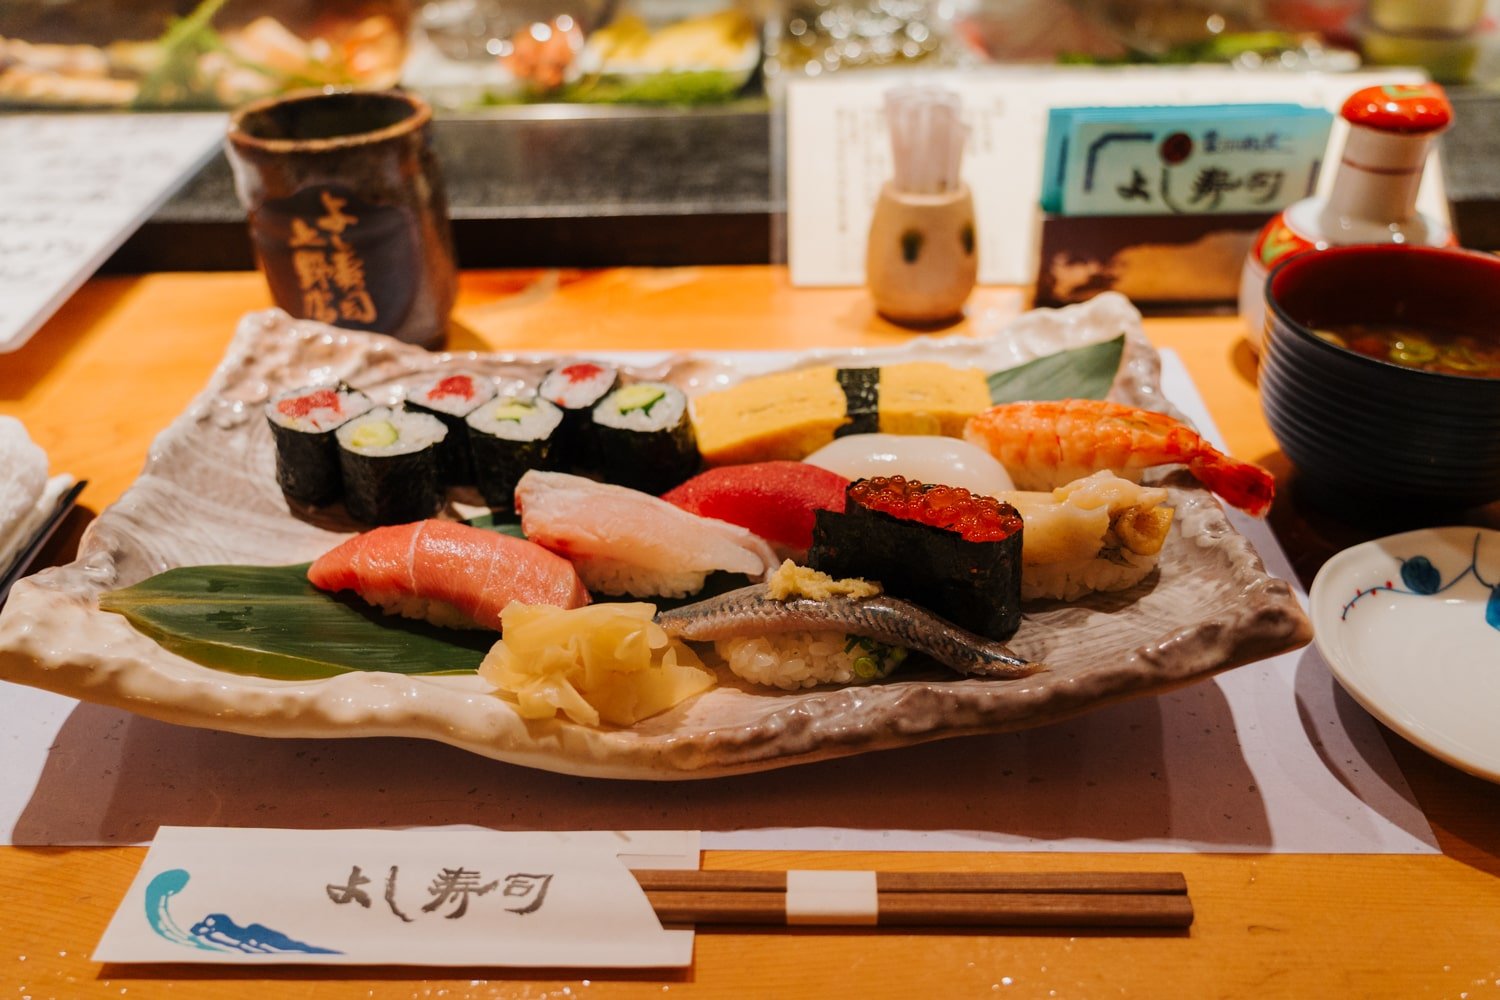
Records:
x=1410, y=626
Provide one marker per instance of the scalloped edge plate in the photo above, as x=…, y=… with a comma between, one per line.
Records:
x=208, y=495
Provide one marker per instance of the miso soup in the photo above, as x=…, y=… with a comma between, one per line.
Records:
x=1428, y=350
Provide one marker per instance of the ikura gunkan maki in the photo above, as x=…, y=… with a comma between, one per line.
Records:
x=303, y=422
x=509, y=437
x=451, y=398
x=389, y=459
x=951, y=551
x=645, y=437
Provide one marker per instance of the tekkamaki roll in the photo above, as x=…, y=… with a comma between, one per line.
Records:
x=451, y=398
x=303, y=422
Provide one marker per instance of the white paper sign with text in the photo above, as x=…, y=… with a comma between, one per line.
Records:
x=73, y=188
x=400, y=897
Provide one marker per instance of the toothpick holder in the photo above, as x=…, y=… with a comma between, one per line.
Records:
x=922, y=259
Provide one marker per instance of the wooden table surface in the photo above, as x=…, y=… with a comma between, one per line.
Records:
x=126, y=355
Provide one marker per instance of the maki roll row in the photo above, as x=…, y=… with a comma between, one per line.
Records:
x=953, y=552
x=391, y=465
x=333, y=442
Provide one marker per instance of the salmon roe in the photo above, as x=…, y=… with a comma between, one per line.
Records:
x=953, y=508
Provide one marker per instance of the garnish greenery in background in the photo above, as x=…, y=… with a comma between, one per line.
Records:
x=1081, y=373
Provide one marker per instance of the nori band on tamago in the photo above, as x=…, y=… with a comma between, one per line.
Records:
x=974, y=584
x=861, y=401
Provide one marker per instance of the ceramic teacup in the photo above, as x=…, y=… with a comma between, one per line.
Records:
x=347, y=210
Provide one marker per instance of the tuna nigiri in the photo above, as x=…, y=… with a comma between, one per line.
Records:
x=623, y=541
x=775, y=500
x=448, y=573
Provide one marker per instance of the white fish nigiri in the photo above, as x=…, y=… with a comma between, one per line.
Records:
x=623, y=541
x=926, y=458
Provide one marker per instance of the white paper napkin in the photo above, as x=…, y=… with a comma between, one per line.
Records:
x=27, y=496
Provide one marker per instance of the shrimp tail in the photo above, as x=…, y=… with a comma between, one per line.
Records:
x=1243, y=484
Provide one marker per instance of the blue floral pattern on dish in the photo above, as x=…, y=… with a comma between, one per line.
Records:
x=215, y=932
x=1420, y=578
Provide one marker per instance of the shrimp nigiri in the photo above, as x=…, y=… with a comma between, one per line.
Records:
x=1044, y=445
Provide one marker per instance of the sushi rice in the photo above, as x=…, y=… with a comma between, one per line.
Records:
x=795, y=660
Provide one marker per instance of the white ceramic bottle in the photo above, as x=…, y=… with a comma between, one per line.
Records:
x=1373, y=198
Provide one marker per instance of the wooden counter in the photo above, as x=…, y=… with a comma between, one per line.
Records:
x=125, y=356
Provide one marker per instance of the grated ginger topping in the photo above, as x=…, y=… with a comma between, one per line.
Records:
x=791, y=581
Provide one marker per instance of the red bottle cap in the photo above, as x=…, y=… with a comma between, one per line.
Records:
x=1405, y=109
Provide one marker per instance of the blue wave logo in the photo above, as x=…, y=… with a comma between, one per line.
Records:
x=215, y=932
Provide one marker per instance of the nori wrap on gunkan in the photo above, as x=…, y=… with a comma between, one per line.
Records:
x=576, y=389
x=451, y=398
x=303, y=422
x=509, y=437
x=951, y=551
x=645, y=437
x=389, y=458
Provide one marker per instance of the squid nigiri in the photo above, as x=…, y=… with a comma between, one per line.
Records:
x=449, y=574
x=1047, y=444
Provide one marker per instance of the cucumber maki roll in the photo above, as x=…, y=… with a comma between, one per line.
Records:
x=953, y=552
x=451, y=398
x=576, y=389
x=508, y=437
x=389, y=459
x=645, y=437
x=303, y=422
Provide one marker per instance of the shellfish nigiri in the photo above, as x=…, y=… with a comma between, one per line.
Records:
x=1048, y=444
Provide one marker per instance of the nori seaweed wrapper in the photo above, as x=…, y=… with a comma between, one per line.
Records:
x=455, y=468
x=499, y=464
x=650, y=461
x=576, y=444
x=394, y=488
x=974, y=584
x=653, y=459
x=307, y=464
x=391, y=489
x=861, y=401
x=507, y=438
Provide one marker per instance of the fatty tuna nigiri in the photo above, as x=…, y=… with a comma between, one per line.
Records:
x=447, y=573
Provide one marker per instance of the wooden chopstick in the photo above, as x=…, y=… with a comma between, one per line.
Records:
x=1156, y=900
x=688, y=880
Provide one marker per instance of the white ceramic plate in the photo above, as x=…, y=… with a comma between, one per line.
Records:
x=209, y=495
x=1410, y=626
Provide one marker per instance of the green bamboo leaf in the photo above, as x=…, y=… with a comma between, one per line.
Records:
x=1082, y=373
x=270, y=622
